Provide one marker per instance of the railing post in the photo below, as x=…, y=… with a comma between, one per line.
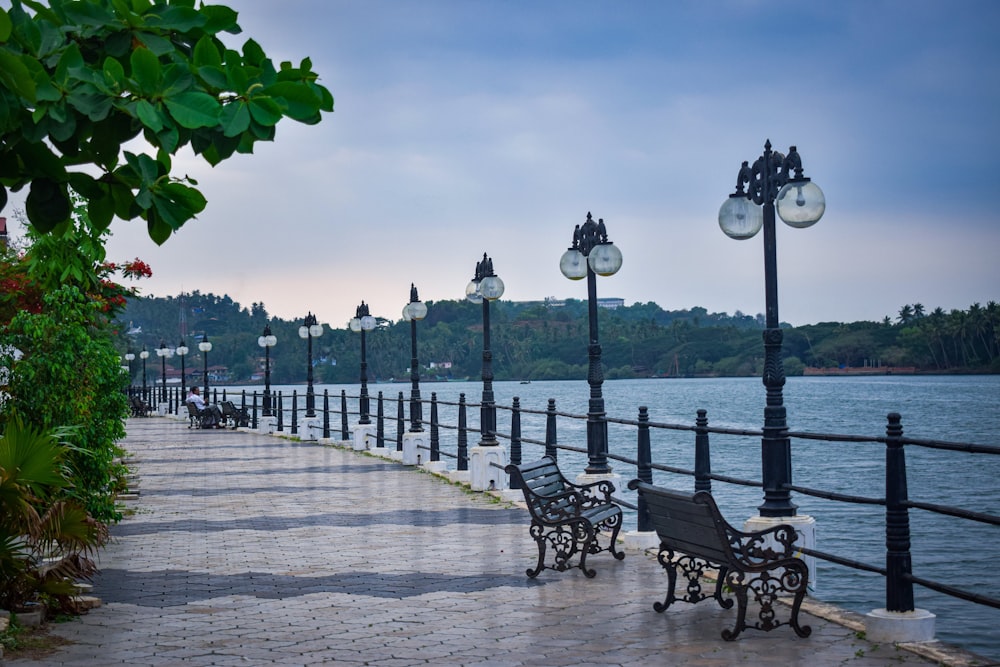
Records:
x=343, y=415
x=295, y=409
x=253, y=411
x=326, y=413
x=515, y=440
x=463, y=435
x=702, y=457
x=380, y=423
x=644, y=469
x=281, y=413
x=217, y=395
x=550, y=430
x=898, y=589
x=435, y=442
x=400, y=423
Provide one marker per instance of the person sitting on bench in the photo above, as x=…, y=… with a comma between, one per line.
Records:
x=212, y=413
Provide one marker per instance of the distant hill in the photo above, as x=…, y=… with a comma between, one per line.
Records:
x=543, y=341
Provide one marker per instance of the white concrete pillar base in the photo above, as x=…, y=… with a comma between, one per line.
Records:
x=413, y=447
x=267, y=425
x=883, y=626
x=364, y=436
x=483, y=475
x=805, y=527
x=310, y=428
x=640, y=540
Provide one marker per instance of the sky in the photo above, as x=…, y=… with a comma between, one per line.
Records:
x=464, y=127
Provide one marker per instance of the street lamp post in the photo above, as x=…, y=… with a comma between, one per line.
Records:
x=267, y=340
x=592, y=255
x=485, y=287
x=488, y=456
x=144, y=355
x=413, y=312
x=362, y=323
x=181, y=352
x=130, y=357
x=205, y=346
x=309, y=330
x=163, y=352
x=774, y=181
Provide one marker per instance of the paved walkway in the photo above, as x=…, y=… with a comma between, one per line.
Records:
x=245, y=549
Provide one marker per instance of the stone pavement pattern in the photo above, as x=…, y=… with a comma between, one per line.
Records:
x=247, y=549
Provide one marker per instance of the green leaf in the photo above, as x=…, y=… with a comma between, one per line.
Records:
x=235, y=118
x=173, y=17
x=158, y=45
x=101, y=210
x=158, y=229
x=299, y=101
x=47, y=204
x=253, y=54
x=88, y=14
x=214, y=77
x=149, y=115
x=5, y=26
x=265, y=111
x=15, y=76
x=193, y=109
x=114, y=74
x=220, y=19
x=146, y=70
x=89, y=102
x=206, y=53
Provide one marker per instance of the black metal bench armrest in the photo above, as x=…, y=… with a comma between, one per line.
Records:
x=764, y=546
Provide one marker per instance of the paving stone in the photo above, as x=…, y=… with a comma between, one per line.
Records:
x=258, y=550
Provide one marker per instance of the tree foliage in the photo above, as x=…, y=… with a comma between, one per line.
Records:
x=80, y=79
x=550, y=342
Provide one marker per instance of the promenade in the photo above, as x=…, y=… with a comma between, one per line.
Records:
x=246, y=549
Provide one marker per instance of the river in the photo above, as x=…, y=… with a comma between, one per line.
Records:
x=956, y=408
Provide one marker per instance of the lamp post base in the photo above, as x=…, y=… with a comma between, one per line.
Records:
x=363, y=435
x=310, y=428
x=484, y=475
x=414, y=444
x=883, y=626
x=805, y=528
x=267, y=425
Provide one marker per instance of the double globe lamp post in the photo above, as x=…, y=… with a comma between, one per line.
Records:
x=144, y=355
x=362, y=323
x=205, y=346
x=310, y=329
x=413, y=312
x=592, y=255
x=181, y=352
x=267, y=340
x=485, y=287
x=775, y=181
x=164, y=353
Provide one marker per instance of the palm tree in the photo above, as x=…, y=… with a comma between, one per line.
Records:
x=905, y=314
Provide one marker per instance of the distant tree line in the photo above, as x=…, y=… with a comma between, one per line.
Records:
x=543, y=342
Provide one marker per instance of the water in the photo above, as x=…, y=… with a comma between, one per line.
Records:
x=957, y=408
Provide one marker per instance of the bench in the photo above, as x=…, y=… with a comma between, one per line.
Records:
x=694, y=537
x=140, y=408
x=234, y=415
x=197, y=418
x=565, y=516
